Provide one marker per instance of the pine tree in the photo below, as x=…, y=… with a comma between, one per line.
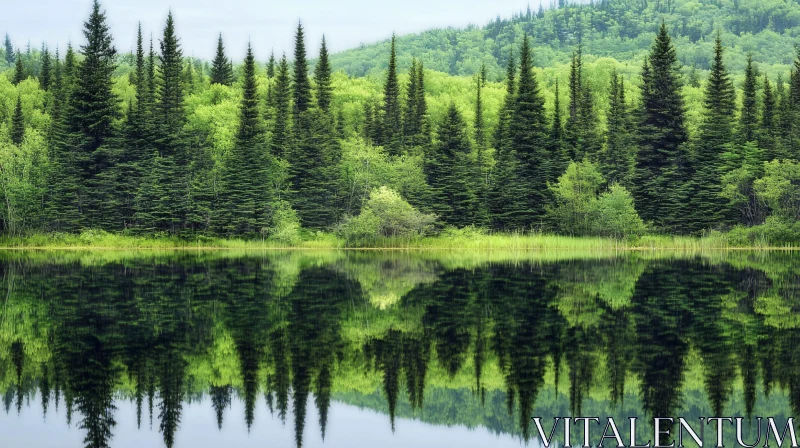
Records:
x=716, y=134
x=661, y=158
x=93, y=109
x=505, y=187
x=19, y=71
x=501, y=136
x=322, y=78
x=694, y=78
x=529, y=140
x=280, y=132
x=133, y=162
x=450, y=172
x=392, y=128
x=558, y=149
x=221, y=72
x=9, y=50
x=423, y=136
x=581, y=128
x=164, y=201
x=617, y=159
x=768, y=132
x=785, y=121
x=302, y=86
x=411, y=123
x=271, y=66
x=46, y=72
x=69, y=66
x=481, y=172
x=243, y=197
x=748, y=120
x=18, y=124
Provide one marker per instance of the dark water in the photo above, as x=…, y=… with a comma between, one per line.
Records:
x=353, y=349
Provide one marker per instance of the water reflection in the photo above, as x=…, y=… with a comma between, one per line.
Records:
x=447, y=341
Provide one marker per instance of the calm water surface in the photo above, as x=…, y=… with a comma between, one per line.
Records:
x=351, y=349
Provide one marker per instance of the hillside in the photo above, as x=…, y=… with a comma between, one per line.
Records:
x=622, y=29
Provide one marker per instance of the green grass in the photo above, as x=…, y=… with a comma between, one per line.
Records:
x=463, y=239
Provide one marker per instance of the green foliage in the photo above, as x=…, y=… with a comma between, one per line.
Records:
x=385, y=215
x=284, y=226
x=582, y=210
x=575, y=195
x=614, y=216
x=779, y=188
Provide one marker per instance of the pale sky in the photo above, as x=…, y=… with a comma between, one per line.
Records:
x=268, y=23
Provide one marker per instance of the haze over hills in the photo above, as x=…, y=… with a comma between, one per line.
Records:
x=622, y=29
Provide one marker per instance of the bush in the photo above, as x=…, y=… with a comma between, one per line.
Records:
x=385, y=215
x=285, y=225
x=614, y=215
x=580, y=211
x=774, y=232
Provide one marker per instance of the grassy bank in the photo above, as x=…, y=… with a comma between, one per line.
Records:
x=450, y=240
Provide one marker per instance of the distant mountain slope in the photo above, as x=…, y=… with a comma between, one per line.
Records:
x=623, y=29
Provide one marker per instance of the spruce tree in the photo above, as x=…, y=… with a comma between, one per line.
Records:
x=716, y=134
x=322, y=78
x=558, y=148
x=411, y=123
x=93, y=110
x=46, y=71
x=302, y=86
x=423, y=136
x=9, y=50
x=221, y=72
x=392, y=128
x=660, y=164
x=505, y=187
x=18, y=124
x=748, y=120
x=530, y=140
x=19, y=71
x=165, y=199
x=69, y=66
x=283, y=96
x=243, y=196
x=271, y=66
x=617, y=159
x=767, y=131
x=581, y=127
x=451, y=174
x=785, y=121
x=501, y=135
x=481, y=171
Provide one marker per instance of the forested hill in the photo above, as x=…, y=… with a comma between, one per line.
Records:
x=622, y=29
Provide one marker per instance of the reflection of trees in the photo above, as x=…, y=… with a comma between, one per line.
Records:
x=507, y=335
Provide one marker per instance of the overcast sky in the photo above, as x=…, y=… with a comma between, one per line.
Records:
x=268, y=23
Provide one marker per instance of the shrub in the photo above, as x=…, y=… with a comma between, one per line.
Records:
x=614, y=215
x=386, y=215
x=285, y=225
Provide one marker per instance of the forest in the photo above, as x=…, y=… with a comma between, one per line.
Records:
x=159, y=144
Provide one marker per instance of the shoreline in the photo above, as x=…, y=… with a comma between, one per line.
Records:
x=328, y=242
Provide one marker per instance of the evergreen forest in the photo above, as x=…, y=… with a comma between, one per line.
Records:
x=616, y=118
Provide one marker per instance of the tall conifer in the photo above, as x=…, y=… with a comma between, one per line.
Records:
x=221, y=72
x=18, y=123
x=244, y=196
x=716, y=134
x=302, y=86
x=659, y=178
x=748, y=120
x=392, y=124
x=322, y=78
x=530, y=140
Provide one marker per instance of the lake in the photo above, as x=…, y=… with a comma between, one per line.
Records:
x=390, y=349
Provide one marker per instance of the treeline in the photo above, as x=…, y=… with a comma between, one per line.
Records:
x=298, y=159
x=622, y=29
